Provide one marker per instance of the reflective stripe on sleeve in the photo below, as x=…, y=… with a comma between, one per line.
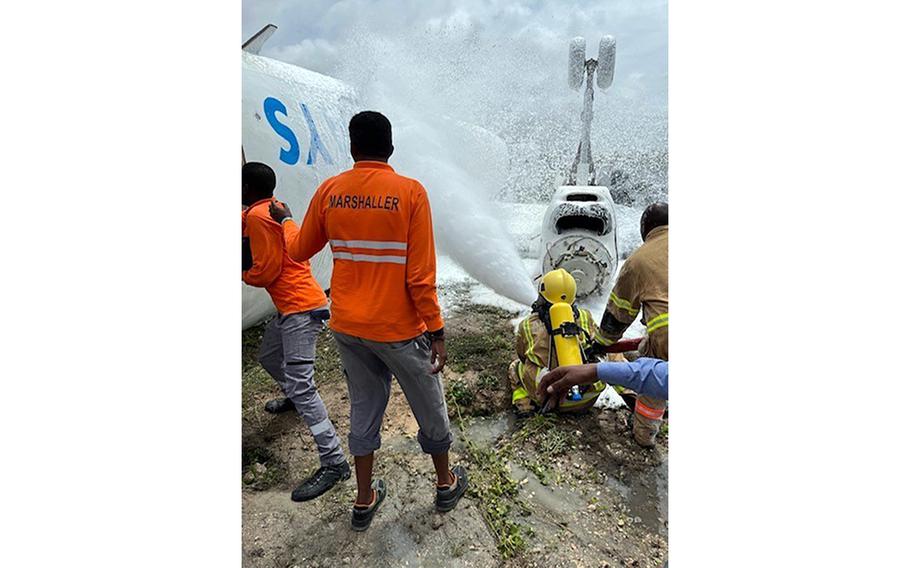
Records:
x=529, y=339
x=658, y=321
x=623, y=304
x=593, y=331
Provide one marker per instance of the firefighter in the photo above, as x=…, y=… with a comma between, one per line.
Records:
x=288, y=347
x=642, y=286
x=385, y=314
x=535, y=347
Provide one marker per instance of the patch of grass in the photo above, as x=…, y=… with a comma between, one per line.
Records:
x=328, y=366
x=496, y=491
x=459, y=393
x=262, y=470
x=492, y=485
x=489, y=382
x=486, y=353
x=481, y=346
x=549, y=438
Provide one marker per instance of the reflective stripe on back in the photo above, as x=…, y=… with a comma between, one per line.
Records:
x=391, y=259
x=378, y=245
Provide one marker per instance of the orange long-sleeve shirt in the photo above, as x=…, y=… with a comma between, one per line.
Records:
x=381, y=233
x=290, y=283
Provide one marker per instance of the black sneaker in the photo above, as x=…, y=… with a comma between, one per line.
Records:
x=362, y=517
x=447, y=498
x=279, y=405
x=324, y=479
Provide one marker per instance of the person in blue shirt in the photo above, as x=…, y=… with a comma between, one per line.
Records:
x=646, y=376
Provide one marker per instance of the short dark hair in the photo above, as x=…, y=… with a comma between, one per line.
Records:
x=259, y=178
x=371, y=134
x=655, y=215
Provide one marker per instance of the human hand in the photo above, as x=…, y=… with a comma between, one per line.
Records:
x=561, y=379
x=279, y=211
x=438, y=354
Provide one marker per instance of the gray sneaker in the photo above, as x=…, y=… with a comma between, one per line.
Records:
x=361, y=517
x=447, y=498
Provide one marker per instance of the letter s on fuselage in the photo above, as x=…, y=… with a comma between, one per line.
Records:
x=294, y=120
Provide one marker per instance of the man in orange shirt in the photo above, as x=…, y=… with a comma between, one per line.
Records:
x=385, y=314
x=288, y=348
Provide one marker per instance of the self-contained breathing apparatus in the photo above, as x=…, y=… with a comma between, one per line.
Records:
x=556, y=309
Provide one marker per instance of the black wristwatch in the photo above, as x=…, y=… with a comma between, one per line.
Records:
x=436, y=335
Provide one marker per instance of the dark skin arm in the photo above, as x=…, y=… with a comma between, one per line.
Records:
x=438, y=354
x=279, y=211
x=561, y=379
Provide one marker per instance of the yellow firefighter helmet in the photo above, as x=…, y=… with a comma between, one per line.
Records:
x=558, y=286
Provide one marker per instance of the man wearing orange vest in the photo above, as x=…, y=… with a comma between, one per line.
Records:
x=385, y=314
x=288, y=348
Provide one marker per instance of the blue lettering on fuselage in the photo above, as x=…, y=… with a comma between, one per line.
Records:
x=272, y=107
x=315, y=142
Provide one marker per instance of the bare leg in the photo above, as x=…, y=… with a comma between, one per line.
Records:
x=363, y=466
x=444, y=475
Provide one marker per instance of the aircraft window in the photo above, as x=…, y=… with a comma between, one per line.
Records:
x=584, y=222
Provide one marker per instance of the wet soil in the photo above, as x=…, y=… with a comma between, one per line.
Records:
x=576, y=490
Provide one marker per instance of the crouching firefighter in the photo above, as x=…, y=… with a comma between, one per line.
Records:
x=556, y=333
x=643, y=286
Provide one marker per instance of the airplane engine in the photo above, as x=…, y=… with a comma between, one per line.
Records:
x=579, y=235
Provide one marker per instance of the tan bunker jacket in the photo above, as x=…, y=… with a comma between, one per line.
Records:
x=643, y=286
x=535, y=353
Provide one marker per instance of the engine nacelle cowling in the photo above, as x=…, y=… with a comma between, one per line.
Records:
x=579, y=235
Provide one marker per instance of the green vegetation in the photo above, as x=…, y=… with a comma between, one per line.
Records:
x=549, y=437
x=489, y=382
x=496, y=492
x=479, y=357
x=486, y=349
x=256, y=383
x=261, y=470
x=486, y=353
x=459, y=393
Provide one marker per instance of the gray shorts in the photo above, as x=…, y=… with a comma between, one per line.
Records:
x=369, y=366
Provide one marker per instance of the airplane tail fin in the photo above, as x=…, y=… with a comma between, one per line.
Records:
x=255, y=43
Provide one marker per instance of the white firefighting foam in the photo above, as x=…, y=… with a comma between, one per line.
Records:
x=434, y=84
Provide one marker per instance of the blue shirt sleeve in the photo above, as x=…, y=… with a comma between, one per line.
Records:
x=646, y=376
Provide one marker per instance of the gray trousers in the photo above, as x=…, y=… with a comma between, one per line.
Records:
x=288, y=353
x=369, y=366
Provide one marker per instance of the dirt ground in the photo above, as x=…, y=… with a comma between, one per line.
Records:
x=548, y=491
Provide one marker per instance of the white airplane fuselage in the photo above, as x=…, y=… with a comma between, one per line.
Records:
x=294, y=120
